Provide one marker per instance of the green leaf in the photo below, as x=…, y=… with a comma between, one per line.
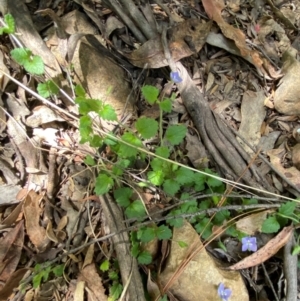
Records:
x=46, y=273
x=9, y=25
x=89, y=160
x=37, y=268
x=156, y=177
x=270, y=225
x=250, y=201
x=144, y=258
x=113, y=275
x=175, y=133
x=164, y=298
x=21, y=55
x=287, y=209
x=147, y=127
x=175, y=222
x=108, y=113
x=88, y=105
x=182, y=244
x=32, y=63
x=122, y=196
x=184, y=175
x=79, y=91
x=58, y=270
x=135, y=249
x=85, y=128
x=199, y=180
x=47, y=89
x=150, y=93
x=157, y=164
x=163, y=232
x=296, y=250
x=96, y=141
x=115, y=291
x=129, y=151
x=103, y=184
x=212, y=182
x=171, y=187
x=37, y=279
x=162, y=151
x=146, y=234
x=204, y=226
x=104, y=266
x=166, y=105
x=135, y=210
x=221, y=216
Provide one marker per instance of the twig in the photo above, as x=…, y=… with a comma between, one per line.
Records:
x=290, y=270
x=128, y=265
x=270, y=282
x=119, y=11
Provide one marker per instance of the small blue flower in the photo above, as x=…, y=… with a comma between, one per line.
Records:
x=175, y=77
x=224, y=292
x=249, y=244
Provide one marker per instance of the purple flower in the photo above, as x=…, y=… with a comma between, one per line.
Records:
x=249, y=244
x=175, y=77
x=224, y=292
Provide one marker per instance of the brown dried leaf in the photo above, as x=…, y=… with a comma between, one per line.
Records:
x=93, y=282
x=10, y=251
x=270, y=249
x=252, y=223
x=89, y=256
x=186, y=38
x=291, y=173
x=36, y=233
x=214, y=8
x=253, y=114
x=12, y=283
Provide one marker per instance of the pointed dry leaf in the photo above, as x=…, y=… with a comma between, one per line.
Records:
x=265, y=252
x=89, y=256
x=93, y=282
x=50, y=233
x=79, y=291
x=151, y=53
x=214, y=10
x=12, y=282
x=253, y=222
x=10, y=251
x=36, y=233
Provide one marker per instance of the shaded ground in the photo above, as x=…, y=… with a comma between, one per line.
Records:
x=239, y=98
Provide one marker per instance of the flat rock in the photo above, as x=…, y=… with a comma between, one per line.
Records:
x=201, y=277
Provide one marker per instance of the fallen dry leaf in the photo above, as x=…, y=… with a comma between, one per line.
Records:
x=252, y=223
x=186, y=38
x=32, y=210
x=263, y=254
x=11, y=284
x=286, y=97
x=253, y=114
x=291, y=173
x=93, y=281
x=10, y=251
x=214, y=9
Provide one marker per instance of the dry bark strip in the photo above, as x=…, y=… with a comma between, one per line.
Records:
x=290, y=270
x=265, y=252
x=128, y=265
x=226, y=152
